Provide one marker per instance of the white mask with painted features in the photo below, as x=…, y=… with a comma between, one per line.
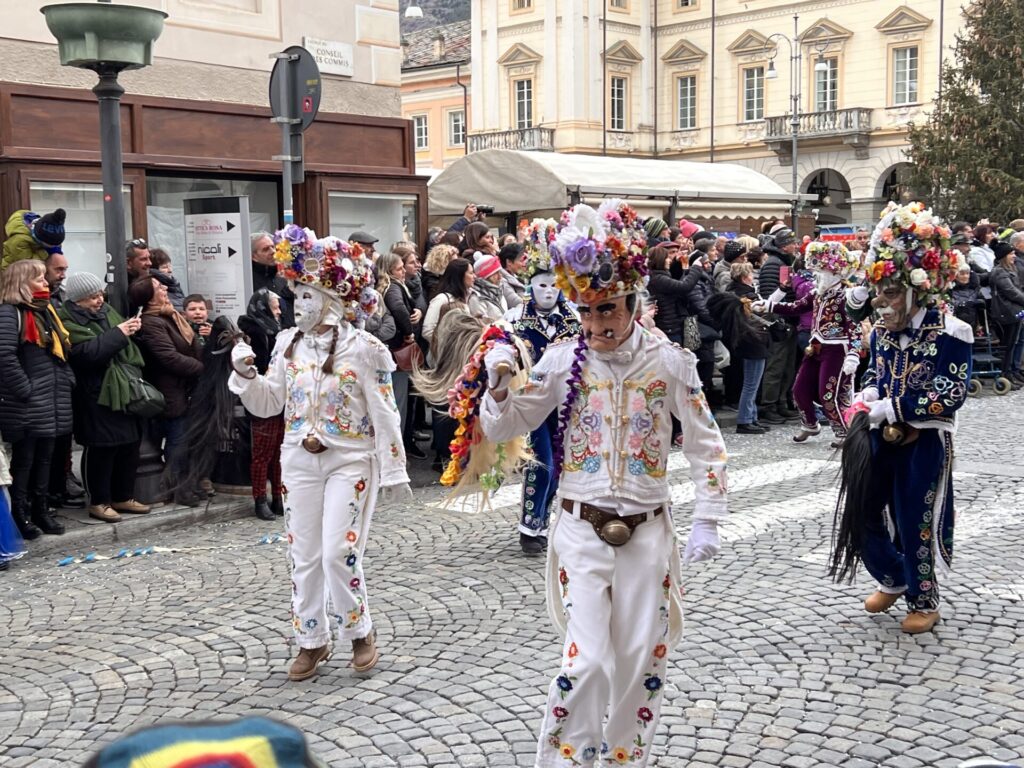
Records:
x=311, y=308
x=544, y=291
x=825, y=280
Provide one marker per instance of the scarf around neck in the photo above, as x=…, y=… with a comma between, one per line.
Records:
x=167, y=310
x=41, y=326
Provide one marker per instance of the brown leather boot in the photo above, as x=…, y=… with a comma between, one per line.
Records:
x=881, y=601
x=306, y=663
x=364, y=653
x=917, y=622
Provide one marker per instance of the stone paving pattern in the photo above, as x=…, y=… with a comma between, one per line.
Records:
x=778, y=666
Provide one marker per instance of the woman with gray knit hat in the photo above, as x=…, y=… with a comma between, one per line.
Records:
x=101, y=344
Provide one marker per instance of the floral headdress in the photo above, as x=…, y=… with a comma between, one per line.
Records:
x=330, y=264
x=599, y=254
x=830, y=256
x=911, y=247
x=536, y=236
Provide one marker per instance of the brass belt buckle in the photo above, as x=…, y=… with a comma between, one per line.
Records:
x=312, y=444
x=615, y=532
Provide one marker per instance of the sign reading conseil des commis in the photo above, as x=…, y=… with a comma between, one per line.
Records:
x=333, y=57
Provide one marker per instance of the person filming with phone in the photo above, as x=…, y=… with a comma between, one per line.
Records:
x=783, y=357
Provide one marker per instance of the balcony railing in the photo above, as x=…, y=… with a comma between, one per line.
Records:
x=851, y=126
x=537, y=138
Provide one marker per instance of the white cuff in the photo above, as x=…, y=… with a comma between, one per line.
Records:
x=239, y=384
x=890, y=413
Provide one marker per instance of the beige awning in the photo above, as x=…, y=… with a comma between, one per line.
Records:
x=530, y=182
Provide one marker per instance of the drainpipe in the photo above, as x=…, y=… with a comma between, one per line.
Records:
x=654, y=35
x=465, y=106
x=714, y=17
x=604, y=77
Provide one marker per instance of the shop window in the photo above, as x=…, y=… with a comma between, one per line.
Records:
x=389, y=218
x=85, y=238
x=165, y=210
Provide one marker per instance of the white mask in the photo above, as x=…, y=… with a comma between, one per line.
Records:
x=310, y=308
x=544, y=291
x=825, y=280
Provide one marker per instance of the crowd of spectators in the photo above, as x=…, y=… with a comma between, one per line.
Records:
x=72, y=368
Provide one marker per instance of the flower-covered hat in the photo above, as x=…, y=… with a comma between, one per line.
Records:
x=535, y=237
x=329, y=264
x=599, y=254
x=830, y=256
x=911, y=247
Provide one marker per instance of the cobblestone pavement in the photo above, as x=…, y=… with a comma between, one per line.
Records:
x=778, y=667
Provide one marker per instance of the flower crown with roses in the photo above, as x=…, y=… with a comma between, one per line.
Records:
x=332, y=265
x=599, y=254
x=535, y=237
x=831, y=256
x=911, y=247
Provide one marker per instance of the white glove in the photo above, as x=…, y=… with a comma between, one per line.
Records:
x=878, y=412
x=242, y=358
x=703, y=543
x=857, y=295
x=850, y=363
x=393, y=495
x=503, y=357
x=759, y=307
x=866, y=396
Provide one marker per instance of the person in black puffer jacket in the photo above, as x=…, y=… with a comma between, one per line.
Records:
x=101, y=338
x=261, y=323
x=670, y=295
x=35, y=390
x=784, y=358
x=697, y=304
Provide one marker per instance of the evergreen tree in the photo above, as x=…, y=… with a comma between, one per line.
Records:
x=968, y=159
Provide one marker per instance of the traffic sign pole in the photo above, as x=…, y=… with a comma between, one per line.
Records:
x=294, y=101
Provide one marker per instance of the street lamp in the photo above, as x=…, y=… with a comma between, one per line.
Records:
x=108, y=39
x=795, y=62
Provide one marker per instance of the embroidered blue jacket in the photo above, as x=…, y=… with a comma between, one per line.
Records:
x=926, y=381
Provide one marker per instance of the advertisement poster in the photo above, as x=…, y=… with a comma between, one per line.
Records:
x=217, y=253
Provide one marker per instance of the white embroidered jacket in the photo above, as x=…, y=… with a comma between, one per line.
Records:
x=351, y=409
x=620, y=432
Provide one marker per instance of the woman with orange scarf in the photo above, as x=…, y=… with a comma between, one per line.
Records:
x=35, y=390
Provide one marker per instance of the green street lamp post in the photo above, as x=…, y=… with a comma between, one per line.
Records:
x=108, y=39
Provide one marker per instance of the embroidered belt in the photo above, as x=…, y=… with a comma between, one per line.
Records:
x=610, y=528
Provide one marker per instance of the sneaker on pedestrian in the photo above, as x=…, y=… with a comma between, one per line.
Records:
x=413, y=451
x=805, y=432
x=131, y=506
x=104, y=512
x=771, y=416
x=66, y=501
x=262, y=509
x=364, y=653
x=73, y=487
x=788, y=414
x=765, y=427
x=749, y=429
x=306, y=663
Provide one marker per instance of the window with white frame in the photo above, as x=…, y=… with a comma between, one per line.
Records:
x=523, y=95
x=620, y=4
x=456, y=128
x=753, y=94
x=522, y=5
x=419, y=130
x=904, y=75
x=686, y=3
x=826, y=87
x=686, y=98
x=617, y=102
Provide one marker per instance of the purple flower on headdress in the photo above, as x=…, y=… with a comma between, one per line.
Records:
x=580, y=256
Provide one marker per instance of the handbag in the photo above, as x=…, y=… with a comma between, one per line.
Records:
x=691, y=333
x=144, y=400
x=407, y=356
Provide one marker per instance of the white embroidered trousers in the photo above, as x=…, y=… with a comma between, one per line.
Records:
x=613, y=662
x=329, y=501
